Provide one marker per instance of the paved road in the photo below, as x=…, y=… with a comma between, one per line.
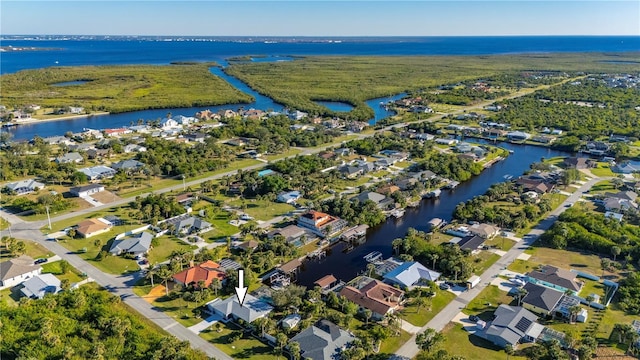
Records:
x=121, y=286
x=410, y=349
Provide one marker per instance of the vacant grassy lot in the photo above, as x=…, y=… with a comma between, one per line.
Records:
x=459, y=342
x=486, y=259
x=167, y=245
x=603, y=169
x=602, y=187
x=244, y=348
x=120, y=88
x=426, y=313
x=32, y=249
x=355, y=79
x=262, y=209
x=487, y=302
x=54, y=268
x=501, y=243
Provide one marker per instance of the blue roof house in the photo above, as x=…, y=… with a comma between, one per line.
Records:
x=411, y=274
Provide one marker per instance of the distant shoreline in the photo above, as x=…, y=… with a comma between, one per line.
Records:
x=10, y=48
x=69, y=117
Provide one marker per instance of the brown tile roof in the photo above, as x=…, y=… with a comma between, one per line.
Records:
x=326, y=281
x=291, y=265
x=249, y=245
x=207, y=271
x=375, y=296
x=89, y=226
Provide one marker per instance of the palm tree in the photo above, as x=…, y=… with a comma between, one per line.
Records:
x=509, y=350
x=521, y=294
x=370, y=269
x=615, y=251
x=396, y=244
x=434, y=258
x=367, y=315
x=573, y=312
x=294, y=350
x=429, y=339
x=164, y=273
x=151, y=273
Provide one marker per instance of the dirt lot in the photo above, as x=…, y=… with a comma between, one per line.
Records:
x=607, y=353
x=105, y=197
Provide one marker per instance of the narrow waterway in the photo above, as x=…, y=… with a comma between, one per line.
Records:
x=345, y=266
x=60, y=127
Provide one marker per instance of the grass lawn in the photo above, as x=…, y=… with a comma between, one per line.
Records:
x=262, y=209
x=4, y=224
x=393, y=343
x=403, y=164
x=32, y=249
x=285, y=154
x=501, y=243
x=602, y=187
x=486, y=260
x=611, y=316
x=602, y=169
x=567, y=259
x=522, y=266
x=592, y=287
x=379, y=173
x=221, y=227
x=554, y=160
x=411, y=314
x=54, y=268
x=459, y=342
x=439, y=238
x=109, y=264
x=490, y=295
x=166, y=245
x=9, y=298
x=244, y=348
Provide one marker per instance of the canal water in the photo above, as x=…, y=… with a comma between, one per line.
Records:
x=345, y=266
x=60, y=127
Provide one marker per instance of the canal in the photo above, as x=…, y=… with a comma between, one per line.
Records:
x=345, y=266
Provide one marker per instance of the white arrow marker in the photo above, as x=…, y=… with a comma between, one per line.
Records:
x=241, y=291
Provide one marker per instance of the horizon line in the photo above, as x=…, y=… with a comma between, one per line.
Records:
x=330, y=36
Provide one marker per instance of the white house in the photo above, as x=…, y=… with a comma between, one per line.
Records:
x=40, y=285
x=24, y=186
x=167, y=124
x=251, y=309
x=288, y=197
x=86, y=190
x=15, y=271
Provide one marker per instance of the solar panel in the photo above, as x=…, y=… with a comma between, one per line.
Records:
x=523, y=324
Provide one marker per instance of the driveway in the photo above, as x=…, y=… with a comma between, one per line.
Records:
x=204, y=324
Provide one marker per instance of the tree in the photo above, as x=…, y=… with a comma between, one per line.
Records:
x=165, y=274
x=521, y=294
x=509, y=350
x=573, y=312
x=624, y=331
x=64, y=266
x=65, y=284
x=294, y=350
x=396, y=244
x=615, y=251
x=72, y=233
x=151, y=273
x=281, y=342
x=19, y=248
x=367, y=315
x=429, y=339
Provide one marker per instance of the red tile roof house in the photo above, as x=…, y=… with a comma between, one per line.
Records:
x=206, y=271
x=380, y=298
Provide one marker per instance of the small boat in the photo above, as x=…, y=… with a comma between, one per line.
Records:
x=397, y=213
x=373, y=256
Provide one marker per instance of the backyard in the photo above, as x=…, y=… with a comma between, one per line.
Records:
x=426, y=313
x=460, y=342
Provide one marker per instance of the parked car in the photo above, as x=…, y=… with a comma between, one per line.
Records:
x=517, y=281
x=473, y=318
x=41, y=261
x=444, y=286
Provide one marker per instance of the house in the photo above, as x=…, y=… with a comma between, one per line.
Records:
x=15, y=271
x=484, y=231
x=471, y=243
x=351, y=172
x=613, y=215
x=555, y=278
x=98, y=153
x=92, y=227
x=326, y=282
x=134, y=148
x=288, y=197
x=227, y=113
x=388, y=189
x=168, y=124
x=185, y=120
x=406, y=183
x=98, y=172
x=539, y=186
x=86, y=190
x=75, y=109
x=518, y=136
x=343, y=151
x=117, y=132
x=543, y=139
x=195, y=137
x=128, y=165
x=356, y=126
x=628, y=167
x=512, y=325
x=575, y=163
x=623, y=195
x=136, y=245
x=297, y=115
x=248, y=245
x=39, y=285
x=72, y=157
x=541, y=300
x=380, y=298
x=251, y=309
x=324, y=340
x=24, y=186
x=291, y=233
x=205, y=272
x=185, y=199
x=320, y=223
x=380, y=200
x=191, y=225
x=114, y=220
x=411, y=274
x=619, y=205
x=57, y=140
x=447, y=141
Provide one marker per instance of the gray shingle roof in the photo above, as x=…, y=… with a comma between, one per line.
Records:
x=139, y=244
x=322, y=340
x=18, y=266
x=40, y=285
x=541, y=297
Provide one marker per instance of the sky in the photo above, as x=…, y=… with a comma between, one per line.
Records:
x=320, y=18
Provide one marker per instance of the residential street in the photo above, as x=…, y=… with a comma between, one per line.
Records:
x=410, y=349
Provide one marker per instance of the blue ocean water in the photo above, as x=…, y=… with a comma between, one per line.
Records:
x=102, y=52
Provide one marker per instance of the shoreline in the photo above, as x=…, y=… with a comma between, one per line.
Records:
x=62, y=118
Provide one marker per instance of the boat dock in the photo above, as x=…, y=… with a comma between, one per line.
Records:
x=373, y=256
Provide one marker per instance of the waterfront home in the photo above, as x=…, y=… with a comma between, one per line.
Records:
x=291, y=233
x=555, y=278
x=326, y=282
x=543, y=139
x=230, y=309
x=447, y=141
x=117, y=132
x=381, y=201
x=191, y=225
x=91, y=227
x=288, y=197
x=15, y=271
x=323, y=340
x=86, y=190
x=135, y=245
x=411, y=274
x=529, y=184
x=185, y=120
x=227, y=114
x=72, y=157
x=627, y=167
x=204, y=272
x=512, y=325
x=168, y=124
x=57, y=140
x=297, y=115
x=320, y=223
x=405, y=183
x=38, y=286
x=484, y=231
x=388, y=189
x=573, y=162
x=380, y=298
x=518, y=136
x=98, y=172
x=24, y=186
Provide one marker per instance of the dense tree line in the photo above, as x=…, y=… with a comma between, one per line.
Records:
x=156, y=207
x=371, y=146
x=450, y=166
x=83, y=324
x=592, y=231
x=461, y=96
x=355, y=212
x=479, y=208
x=629, y=293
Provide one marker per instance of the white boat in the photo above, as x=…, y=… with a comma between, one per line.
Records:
x=373, y=256
x=397, y=213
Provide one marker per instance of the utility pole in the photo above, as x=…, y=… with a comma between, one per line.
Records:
x=48, y=217
x=184, y=184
